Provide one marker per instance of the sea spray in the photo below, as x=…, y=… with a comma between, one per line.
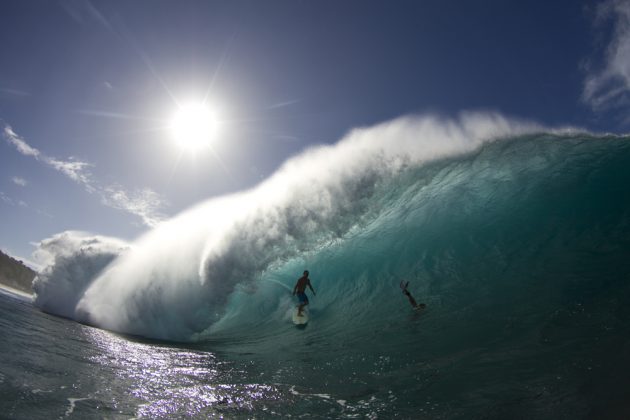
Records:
x=73, y=261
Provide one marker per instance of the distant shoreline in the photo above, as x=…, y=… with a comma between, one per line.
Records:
x=15, y=275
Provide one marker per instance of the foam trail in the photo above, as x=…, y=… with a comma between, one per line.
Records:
x=177, y=279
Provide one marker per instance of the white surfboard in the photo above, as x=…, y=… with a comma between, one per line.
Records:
x=300, y=320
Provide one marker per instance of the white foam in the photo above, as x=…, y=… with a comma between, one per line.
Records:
x=74, y=260
x=73, y=402
x=15, y=293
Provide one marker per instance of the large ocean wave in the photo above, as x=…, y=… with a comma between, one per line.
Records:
x=497, y=224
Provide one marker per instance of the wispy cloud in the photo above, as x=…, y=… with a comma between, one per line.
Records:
x=19, y=181
x=609, y=86
x=143, y=203
x=74, y=169
x=14, y=92
x=284, y=104
x=116, y=115
x=20, y=144
x=84, y=12
x=8, y=200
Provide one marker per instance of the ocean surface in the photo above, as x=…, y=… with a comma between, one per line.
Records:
x=518, y=241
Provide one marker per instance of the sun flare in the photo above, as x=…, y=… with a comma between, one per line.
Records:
x=193, y=127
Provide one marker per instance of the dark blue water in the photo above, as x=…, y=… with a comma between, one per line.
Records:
x=520, y=248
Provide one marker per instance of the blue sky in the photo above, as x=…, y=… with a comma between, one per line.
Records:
x=88, y=90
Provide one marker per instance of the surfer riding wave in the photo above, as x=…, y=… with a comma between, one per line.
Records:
x=412, y=301
x=300, y=291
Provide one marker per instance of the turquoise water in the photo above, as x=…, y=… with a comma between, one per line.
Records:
x=520, y=249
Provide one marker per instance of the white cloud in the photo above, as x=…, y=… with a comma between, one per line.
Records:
x=609, y=87
x=19, y=181
x=144, y=203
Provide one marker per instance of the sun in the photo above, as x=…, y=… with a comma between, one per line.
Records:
x=193, y=127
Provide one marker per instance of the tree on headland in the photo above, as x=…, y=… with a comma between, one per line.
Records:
x=14, y=274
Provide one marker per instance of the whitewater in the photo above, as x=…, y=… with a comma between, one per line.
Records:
x=516, y=237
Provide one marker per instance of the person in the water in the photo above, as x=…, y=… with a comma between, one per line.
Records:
x=412, y=301
x=300, y=289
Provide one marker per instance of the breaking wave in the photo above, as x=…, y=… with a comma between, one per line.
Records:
x=487, y=217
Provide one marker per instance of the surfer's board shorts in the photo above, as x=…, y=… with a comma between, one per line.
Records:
x=302, y=297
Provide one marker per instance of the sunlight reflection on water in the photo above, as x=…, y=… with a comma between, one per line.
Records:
x=164, y=380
